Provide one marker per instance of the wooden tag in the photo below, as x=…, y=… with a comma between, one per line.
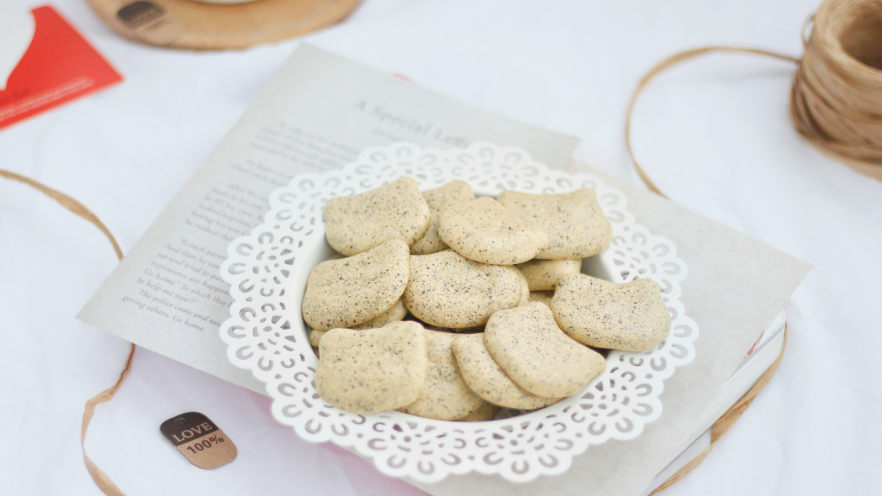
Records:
x=199, y=439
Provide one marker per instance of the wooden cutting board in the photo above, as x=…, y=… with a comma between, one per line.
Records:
x=203, y=26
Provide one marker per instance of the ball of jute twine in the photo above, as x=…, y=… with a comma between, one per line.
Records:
x=836, y=102
x=836, y=97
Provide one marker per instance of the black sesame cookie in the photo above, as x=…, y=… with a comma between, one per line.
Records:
x=439, y=199
x=447, y=290
x=488, y=380
x=445, y=395
x=360, y=222
x=353, y=290
x=528, y=345
x=603, y=314
x=574, y=222
x=543, y=275
x=372, y=370
x=485, y=231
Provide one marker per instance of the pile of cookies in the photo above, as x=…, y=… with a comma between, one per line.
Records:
x=450, y=307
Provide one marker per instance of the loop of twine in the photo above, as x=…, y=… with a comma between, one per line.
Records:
x=836, y=96
x=101, y=479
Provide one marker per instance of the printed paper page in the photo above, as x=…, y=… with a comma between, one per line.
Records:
x=316, y=114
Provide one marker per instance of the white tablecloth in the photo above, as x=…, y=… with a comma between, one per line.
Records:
x=715, y=134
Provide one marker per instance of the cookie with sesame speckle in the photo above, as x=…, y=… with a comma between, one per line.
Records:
x=535, y=353
x=372, y=370
x=574, y=222
x=439, y=199
x=449, y=291
x=315, y=337
x=353, y=290
x=603, y=314
x=541, y=297
x=485, y=231
x=488, y=380
x=444, y=396
x=360, y=222
x=525, y=291
x=543, y=275
x=393, y=314
x=487, y=411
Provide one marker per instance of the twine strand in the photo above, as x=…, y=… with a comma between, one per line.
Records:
x=664, y=65
x=836, y=95
x=101, y=479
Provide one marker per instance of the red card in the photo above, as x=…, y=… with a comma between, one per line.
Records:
x=58, y=66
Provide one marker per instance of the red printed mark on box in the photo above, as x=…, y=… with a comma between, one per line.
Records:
x=58, y=66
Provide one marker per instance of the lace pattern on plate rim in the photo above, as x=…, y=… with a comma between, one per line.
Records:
x=265, y=333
